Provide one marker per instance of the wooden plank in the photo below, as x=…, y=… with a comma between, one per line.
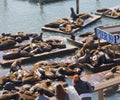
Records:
x=113, y=29
x=88, y=21
x=107, y=84
x=103, y=13
x=53, y=53
x=80, y=44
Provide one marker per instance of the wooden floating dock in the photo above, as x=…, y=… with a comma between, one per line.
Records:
x=53, y=53
x=45, y=1
x=105, y=67
x=88, y=21
x=106, y=15
x=80, y=44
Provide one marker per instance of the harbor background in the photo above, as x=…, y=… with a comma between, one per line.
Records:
x=28, y=17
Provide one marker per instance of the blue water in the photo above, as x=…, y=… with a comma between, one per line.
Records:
x=22, y=15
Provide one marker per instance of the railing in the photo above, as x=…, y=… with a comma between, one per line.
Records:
x=109, y=83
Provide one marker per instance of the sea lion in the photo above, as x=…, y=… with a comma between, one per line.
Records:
x=57, y=23
x=79, y=22
x=3, y=80
x=45, y=86
x=24, y=53
x=80, y=53
x=56, y=43
x=11, y=55
x=15, y=66
x=88, y=41
x=68, y=28
x=84, y=16
x=73, y=16
x=9, y=96
x=38, y=38
x=85, y=34
x=102, y=10
x=27, y=95
x=7, y=44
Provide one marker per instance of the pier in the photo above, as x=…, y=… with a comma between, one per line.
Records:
x=103, y=85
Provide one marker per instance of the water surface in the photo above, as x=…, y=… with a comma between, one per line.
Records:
x=21, y=15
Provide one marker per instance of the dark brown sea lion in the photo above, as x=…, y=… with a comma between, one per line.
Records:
x=27, y=96
x=102, y=10
x=58, y=44
x=3, y=80
x=57, y=23
x=85, y=34
x=85, y=58
x=24, y=53
x=15, y=66
x=68, y=28
x=9, y=96
x=13, y=78
x=45, y=86
x=88, y=41
x=11, y=55
x=38, y=38
x=23, y=35
x=80, y=52
x=39, y=65
x=84, y=16
x=6, y=34
x=7, y=44
x=30, y=78
x=79, y=22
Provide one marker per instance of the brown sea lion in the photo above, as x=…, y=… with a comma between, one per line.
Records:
x=7, y=44
x=3, y=80
x=27, y=96
x=24, y=53
x=88, y=41
x=38, y=38
x=57, y=23
x=56, y=43
x=79, y=22
x=80, y=52
x=16, y=65
x=39, y=65
x=9, y=96
x=30, y=78
x=11, y=55
x=84, y=16
x=45, y=86
x=102, y=10
x=85, y=34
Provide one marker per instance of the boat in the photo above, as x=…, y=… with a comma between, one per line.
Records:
x=85, y=19
x=113, y=12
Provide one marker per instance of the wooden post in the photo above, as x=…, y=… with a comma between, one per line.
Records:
x=114, y=49
x=100, y=95
x=99, y=43
x=41, y=2
x=77, y=6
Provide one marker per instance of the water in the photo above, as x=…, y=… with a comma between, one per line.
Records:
x=21, y=15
